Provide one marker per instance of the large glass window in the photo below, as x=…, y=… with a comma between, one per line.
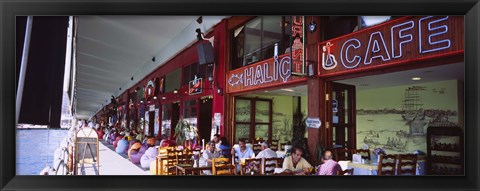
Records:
x=253, y=123
x=255, y=41
x=192, y=70
x=166, y=120
x=190, y=112
x=172, y=80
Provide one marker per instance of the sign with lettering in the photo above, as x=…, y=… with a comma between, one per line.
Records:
x=265, y=73
x=298, y=64
x=313, y=122
x=195, y=86
x=150, y=88
x=403, y=40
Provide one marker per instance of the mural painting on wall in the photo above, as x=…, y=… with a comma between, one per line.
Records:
x=400, y=126
x=282, y=127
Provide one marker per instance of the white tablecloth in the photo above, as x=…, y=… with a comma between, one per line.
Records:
x=372, y=168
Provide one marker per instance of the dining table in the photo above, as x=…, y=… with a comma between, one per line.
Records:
x=189, y=169
x=368, y=168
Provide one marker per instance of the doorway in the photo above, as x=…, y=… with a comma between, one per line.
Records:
x=175, y=118
x=205, y=119
x=341, y=109
x=151, y=123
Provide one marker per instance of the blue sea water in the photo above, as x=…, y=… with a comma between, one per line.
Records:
x=34, y=147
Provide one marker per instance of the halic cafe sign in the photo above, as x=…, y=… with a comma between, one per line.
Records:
x=398, y=41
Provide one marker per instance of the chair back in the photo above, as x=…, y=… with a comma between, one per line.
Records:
x=185, y=157
x=346, y=172
x=387, y=165
x=342, y=154
x=269, y=165
x=253, y=166
x=172, y=160
x=364, y=152
x=222, y=166
x=274, y=145
x=256, y=149
x=407, y=164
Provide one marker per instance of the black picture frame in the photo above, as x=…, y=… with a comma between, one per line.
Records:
x=10, y=9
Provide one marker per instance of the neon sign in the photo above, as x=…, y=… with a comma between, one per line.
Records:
x=195, y=86
x=150, y=88
x=263, y=73
x=297, y=52
x=402, y=40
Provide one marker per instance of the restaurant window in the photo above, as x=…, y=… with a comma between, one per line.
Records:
x=172, y=80
x=253, y=118
x=336, y=26
x=166, y=120
x=190, y=112
x=255, y=41
x=192, y=70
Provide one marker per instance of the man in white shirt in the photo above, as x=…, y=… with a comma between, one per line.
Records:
x=266, y=152
x=207, y=157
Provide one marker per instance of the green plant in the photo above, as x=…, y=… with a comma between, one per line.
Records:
x=299, y=127
x=180, y=130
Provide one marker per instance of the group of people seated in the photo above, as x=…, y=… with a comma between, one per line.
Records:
x=293, y=164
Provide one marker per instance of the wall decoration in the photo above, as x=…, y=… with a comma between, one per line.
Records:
x=396, y=118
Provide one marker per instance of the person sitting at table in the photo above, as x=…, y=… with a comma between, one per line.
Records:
x=296, y=163
x=225, y=148
x=329, y=166
x=208, y=155
x=266, y=151
x=242, y=152
x=216, y=140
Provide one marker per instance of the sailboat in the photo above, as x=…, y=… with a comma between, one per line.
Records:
x=411, y=105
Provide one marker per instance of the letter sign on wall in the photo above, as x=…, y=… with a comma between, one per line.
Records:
x=398, y=41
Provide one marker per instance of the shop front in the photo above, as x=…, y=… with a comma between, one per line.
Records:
x=266, y=86
x=385, y=85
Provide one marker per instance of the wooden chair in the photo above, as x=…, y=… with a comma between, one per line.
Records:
x=269, y=165
x=364, y=152
x=185, y=157
x=346, y=172
x=387, y=165
x=274, y=145
x=342, y=154
x=256, y=149
x=256, y=164
x=172, y=160
x=223, y=166
x=407, y=164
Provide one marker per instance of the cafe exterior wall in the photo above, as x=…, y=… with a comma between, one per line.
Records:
x=188, y=56
x=401, y=44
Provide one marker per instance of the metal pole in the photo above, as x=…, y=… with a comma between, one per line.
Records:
x=23, y=67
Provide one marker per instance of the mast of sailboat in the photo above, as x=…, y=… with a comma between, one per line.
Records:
x=23, y=67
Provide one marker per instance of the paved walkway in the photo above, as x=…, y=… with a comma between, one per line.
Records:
x=112, y=163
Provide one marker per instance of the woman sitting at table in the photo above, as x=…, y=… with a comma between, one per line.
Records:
x=225, y=148
x=296, y=163
x=329, y=166
x=207, y=156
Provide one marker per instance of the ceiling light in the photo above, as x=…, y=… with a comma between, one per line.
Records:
x=266, y=91
x=164, y=98
x=288, y=90
x=175, y=91
x=154, y=97
x=416, y=78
